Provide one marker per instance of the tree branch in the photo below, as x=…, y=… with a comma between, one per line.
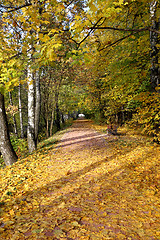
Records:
x=95, y=27
x=121, y=29
x=125, y=29
x=12, y=9
x=117, y=41
x=91, y=30
x=16, y=55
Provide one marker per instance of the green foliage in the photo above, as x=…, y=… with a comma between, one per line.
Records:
x=19, y=145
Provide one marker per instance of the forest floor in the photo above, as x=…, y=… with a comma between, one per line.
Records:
x=86, y=186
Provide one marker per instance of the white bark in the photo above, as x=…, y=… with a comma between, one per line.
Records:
x=31, y=115
x=20, y=111
x=153, y=5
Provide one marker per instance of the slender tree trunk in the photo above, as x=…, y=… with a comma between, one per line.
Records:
x=37, y=105
x=62, y=117
x=14, y=119
x=58, y=118
x=123, y=115
x=9, y=155
x=20, y=111
x=154, y=40
x=52, y=121
x=116, y=118
x=47, y=127
x=31, y=115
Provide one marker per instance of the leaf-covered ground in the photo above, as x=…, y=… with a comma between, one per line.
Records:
x=88, y=186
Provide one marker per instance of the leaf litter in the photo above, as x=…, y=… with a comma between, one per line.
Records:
x=88, y=186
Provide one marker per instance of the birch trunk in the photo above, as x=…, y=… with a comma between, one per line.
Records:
x=31, y=115
x=20, y=111
x=155, y=78
x=9, y=155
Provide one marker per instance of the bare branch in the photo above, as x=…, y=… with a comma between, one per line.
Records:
x=121, y=29
x=12, y=9
x=69, y=3
x=20, y=7
x=95, y=27
x=116, y=42
x=91, y=30
x=125, y=29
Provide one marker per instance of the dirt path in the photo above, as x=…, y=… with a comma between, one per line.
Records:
x=82, y=137
x=87, y=191
x=95, y=198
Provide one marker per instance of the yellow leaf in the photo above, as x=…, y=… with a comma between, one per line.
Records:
x=46, y=38
x=92, y=7
x=121, y=2
x=11, y=212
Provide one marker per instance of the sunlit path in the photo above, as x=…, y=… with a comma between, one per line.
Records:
x=84, y=188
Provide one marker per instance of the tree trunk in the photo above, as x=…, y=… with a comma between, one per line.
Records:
x=154, y=70
x=47, y=127
x=37, y=106
x=20, y=111
x=14, y=120
x=62, y=117
x=52, y=121
x=58, y=118
x=116, y=119
x=9, y=155
x=123, y=115
x=31, y=115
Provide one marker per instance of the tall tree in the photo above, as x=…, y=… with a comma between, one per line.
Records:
x=20, y=111
x=31, y=111
x=6, y=148
x=14, y=119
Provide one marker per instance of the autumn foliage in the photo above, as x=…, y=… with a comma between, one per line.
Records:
x=58, y=59
x=86, y=188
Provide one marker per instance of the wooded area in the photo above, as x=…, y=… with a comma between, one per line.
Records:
x=60, y=58
x=96, y=178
